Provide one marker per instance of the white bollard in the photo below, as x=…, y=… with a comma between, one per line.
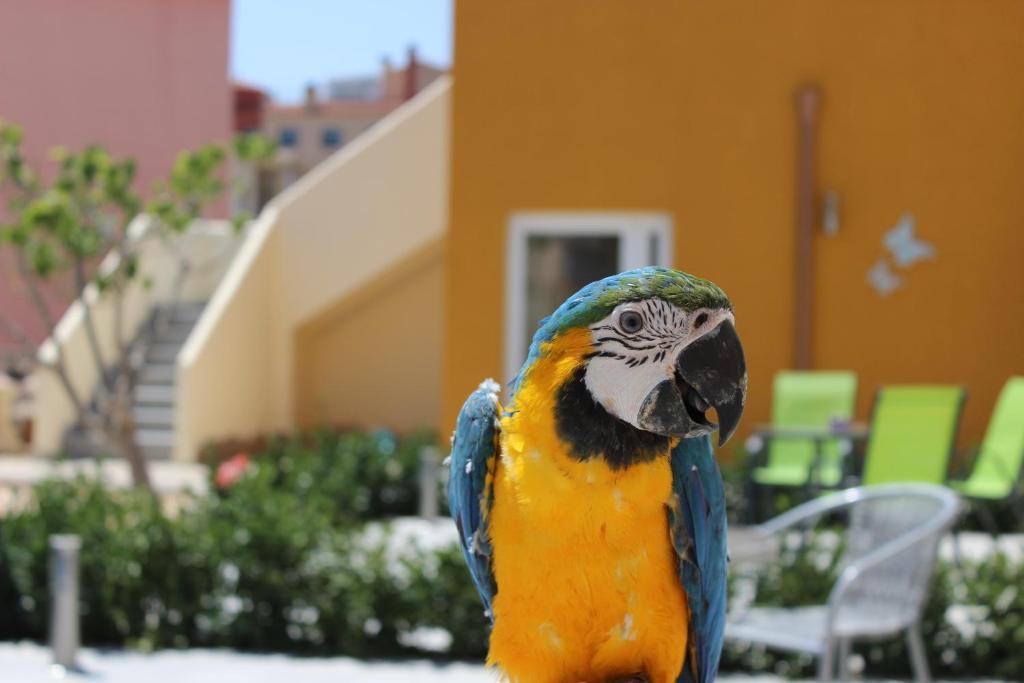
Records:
x=428, y=482
x=64, y=634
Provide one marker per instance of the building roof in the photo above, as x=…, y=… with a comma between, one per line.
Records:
x=241, y=86
x=329, y=108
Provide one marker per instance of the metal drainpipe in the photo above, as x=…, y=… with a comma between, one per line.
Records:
x=808, y=105
x=64, y=633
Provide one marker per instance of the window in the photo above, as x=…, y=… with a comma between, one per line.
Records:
x=551, y=256
x=332, y=137
x=288, y=137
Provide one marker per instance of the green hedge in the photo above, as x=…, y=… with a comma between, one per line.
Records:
x=277, y=561
x=354, y=475
x=283, y=560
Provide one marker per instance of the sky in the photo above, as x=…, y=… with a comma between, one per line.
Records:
x=283, y=46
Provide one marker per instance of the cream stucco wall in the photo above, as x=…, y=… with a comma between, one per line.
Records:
x=375, y=203
x=380, y=342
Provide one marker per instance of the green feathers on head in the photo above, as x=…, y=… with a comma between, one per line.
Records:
x=598, y=299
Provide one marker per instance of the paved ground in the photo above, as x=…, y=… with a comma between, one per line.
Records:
x=168, y=476
x=30, y=663
x=19, y=473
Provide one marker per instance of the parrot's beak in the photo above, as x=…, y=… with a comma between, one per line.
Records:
x=710, y=373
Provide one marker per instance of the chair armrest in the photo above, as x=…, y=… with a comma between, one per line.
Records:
x=811, y=510
x=751, y=545
x=1003, y=468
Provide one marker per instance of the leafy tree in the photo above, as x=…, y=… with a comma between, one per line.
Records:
x=62, y=228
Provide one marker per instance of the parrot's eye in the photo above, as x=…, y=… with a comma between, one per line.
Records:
x=701, y=319
x=631, y=322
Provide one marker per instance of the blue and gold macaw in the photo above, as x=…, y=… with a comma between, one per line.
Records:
x=591, y=510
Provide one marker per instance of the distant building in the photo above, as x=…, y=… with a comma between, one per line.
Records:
x=362, y=88
x=390, y=83
x=250, y=103
x=308, y=133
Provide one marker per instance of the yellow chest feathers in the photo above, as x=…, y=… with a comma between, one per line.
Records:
x=588, y=586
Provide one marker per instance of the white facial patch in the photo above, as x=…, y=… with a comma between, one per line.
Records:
x=630, y=361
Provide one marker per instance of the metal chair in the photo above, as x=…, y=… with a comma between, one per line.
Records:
x=889, y=556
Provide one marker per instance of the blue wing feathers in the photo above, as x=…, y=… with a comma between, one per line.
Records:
x=698, y=527
x=474, y=447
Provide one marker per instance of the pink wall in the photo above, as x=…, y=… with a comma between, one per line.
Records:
x=145, y=78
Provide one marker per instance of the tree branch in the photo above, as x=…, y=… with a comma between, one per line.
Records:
x=90, y=327
x=42, y=308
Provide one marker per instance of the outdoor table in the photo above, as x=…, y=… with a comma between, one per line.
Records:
x=854, y=432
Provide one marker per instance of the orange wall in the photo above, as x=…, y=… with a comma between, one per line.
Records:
x=687, y=107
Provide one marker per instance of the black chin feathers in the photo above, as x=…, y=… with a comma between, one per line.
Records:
x=592, y=431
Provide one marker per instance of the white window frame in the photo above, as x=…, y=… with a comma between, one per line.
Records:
x=634, y=230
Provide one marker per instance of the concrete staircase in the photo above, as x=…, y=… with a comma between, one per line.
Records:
x=153, y=408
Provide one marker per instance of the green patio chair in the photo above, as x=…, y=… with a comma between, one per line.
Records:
x=997, y=470
x=800, y=400
x=913, y=432
x=806, y=399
